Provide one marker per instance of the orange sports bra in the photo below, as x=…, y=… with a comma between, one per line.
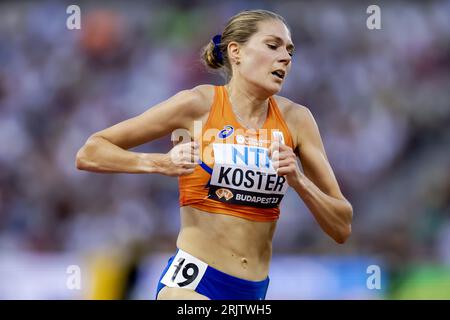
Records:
x=235, y=175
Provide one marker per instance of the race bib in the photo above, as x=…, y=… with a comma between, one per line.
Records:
x=185, y=271
x=244, y=175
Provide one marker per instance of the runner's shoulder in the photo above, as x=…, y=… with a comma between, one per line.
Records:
x=291, y=110
x=200, y=99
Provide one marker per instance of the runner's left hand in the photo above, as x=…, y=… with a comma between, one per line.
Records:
x=284, y=161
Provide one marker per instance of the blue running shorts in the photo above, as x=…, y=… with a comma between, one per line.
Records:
x=186, y=271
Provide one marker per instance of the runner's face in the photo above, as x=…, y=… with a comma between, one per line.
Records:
x=266, y=57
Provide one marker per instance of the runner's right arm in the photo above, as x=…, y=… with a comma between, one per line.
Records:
x=106, y=150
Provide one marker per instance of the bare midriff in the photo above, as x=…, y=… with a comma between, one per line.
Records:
x=236, y=246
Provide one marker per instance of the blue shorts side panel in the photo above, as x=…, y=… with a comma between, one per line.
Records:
x=161, y=285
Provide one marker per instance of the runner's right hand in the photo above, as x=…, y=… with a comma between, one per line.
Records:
x=181, y=160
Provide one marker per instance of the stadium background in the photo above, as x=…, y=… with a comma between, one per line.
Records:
x=380, y=98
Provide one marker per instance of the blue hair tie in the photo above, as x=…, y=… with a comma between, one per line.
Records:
x=217, y=52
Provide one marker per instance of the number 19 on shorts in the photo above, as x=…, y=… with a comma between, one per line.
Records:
x=185, y=271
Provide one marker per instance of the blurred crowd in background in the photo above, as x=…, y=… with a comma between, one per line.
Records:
x=381, y=99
